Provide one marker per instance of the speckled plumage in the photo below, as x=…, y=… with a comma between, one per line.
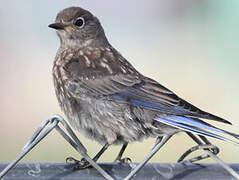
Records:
x=102, y=94
x=78, y=76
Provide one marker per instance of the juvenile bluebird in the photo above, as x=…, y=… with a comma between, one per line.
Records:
x=107, y=99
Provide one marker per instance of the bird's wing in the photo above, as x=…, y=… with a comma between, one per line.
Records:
x=130, y=87
x=136, y=90
x=180, y=114
x=150, y=94
x=100, y=78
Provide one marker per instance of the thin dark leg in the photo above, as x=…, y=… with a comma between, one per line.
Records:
x=83, y=163
x=97, y=156
x=122, y=151
x=119, y=156
x=158, y=140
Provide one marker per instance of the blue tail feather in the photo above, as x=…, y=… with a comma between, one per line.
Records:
x=191, y=125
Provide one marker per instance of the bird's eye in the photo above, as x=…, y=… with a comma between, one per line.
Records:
x=80, y=22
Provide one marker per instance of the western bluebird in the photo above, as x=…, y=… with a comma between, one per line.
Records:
x=107, y=99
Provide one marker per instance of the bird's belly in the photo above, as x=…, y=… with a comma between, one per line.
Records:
x=105, y=121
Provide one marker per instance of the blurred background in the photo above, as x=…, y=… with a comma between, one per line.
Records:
x=189, y=46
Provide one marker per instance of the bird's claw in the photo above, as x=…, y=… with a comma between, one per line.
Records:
x=71, y=160
x=123, y=160
x=78, y=164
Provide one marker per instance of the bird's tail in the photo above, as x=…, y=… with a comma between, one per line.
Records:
x=233, y=134
x=197, y=126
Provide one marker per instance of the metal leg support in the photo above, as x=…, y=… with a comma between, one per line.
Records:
x=72, y=139
x=211, y=151
x=153, y=151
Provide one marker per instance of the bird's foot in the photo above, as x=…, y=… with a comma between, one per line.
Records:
x=123, y=160
x=78, y=164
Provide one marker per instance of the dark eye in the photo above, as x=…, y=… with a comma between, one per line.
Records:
x=80, y=22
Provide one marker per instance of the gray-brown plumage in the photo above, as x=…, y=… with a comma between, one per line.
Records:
x=105, y=97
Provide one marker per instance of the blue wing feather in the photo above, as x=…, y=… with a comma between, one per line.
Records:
x=162, y=102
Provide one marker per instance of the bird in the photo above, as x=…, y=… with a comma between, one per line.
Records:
x=104, y=97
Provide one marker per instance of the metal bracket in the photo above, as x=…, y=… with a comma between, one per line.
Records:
x=72, y=139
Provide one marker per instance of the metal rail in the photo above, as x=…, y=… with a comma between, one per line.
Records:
x=154, y=171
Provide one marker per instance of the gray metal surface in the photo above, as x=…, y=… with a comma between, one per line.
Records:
x=154, y=171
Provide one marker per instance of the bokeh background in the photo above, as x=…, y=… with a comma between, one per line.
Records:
x=189, y=46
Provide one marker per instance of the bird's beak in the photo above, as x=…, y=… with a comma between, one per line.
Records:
x=57, y=26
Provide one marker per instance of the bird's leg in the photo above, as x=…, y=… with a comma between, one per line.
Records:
x=119, y=156
x=159, y=143
x=205, y=145
x=158, y=140
x=97, y=156
x=83, y=163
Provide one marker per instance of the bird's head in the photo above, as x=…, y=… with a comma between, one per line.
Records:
x=78, y=28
